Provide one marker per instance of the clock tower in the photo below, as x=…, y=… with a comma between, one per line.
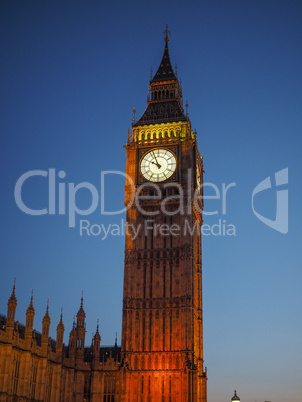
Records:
x=162, y=336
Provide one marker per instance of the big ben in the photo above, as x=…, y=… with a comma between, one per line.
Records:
x=162, y=330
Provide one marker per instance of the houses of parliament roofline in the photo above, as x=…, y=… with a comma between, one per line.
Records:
x=24, y=352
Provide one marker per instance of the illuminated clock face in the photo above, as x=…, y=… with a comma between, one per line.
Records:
x=158, y=165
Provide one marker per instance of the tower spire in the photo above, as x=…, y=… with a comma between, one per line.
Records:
x=45, y=328
x=164, y=95
x=46, y=317
x=30, y=314
x=165, y=70
x=11, y=307
x=31, y=305
x=13, y=295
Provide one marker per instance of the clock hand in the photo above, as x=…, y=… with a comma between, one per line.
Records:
x=158, y=165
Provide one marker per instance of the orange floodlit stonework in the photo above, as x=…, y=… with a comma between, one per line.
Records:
x=162, y=337
x=161, y=355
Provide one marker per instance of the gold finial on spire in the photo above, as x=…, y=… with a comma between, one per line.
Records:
x=166, y=33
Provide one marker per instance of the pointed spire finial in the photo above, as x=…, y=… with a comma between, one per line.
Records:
x=82, y=300
x=46, y=316
x=187, y=108
x=61, y=318
x=31, y=298
x=167, y=33
x=47, y=306
x=151, y=73
x=30, y=309
x=13, y=295
x=176, y=69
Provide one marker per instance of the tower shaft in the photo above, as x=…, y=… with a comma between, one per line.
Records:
x=162, y=336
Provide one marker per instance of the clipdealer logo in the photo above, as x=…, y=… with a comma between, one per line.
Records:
x=63, y=200
x=280, y=223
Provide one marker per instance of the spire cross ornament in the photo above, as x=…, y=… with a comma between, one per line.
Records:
x=166, y=33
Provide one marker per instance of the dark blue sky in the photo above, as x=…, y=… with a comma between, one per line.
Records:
x=71, y=73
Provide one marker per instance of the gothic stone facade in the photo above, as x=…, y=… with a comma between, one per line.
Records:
x=33, y=367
